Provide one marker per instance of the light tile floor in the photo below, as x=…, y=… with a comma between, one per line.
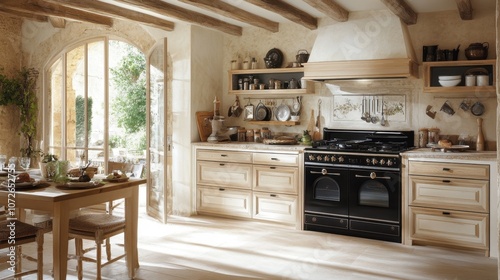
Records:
x=203, y=247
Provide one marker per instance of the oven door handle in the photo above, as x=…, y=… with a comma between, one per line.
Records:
x=324, y=172
x=372, y=175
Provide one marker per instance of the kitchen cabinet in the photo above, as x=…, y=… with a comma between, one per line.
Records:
x=264, y=75
x=262, y=185
x=432, y=70
x=449, y=204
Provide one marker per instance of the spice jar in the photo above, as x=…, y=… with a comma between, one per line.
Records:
x=423, y=134
x=265, y=133
x=249, y=135
x=256, y=136
x=433, y=135
x=242, y=134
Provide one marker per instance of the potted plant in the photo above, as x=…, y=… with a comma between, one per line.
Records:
x=47, y=164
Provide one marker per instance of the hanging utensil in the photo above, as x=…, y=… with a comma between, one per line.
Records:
x=382, y=120
x=236, y=108
x=317, y=129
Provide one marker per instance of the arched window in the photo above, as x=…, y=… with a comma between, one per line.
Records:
x=96, y=104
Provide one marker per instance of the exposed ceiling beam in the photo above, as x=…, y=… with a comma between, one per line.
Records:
x=27, y=15
x=49, y=9
x=330, y=8
x=116, y=12
x=177, y=12
x=401, y=9
x=465, y=9
x=288, y=11
x=233, y=12
x=57, y=22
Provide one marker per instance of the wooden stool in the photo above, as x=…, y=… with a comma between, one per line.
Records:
x=97, y=227
x=24, y=233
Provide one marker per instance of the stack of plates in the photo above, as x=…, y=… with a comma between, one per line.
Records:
x=449, y=81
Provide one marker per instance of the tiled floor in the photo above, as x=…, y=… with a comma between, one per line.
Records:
x=204, y=247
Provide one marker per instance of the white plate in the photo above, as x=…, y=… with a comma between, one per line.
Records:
x=23, y=185
x=459, y=148
x=283, y=113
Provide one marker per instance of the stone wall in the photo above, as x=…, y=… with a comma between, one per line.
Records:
x=10, y=63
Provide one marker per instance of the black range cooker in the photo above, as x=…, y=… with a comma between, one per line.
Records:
x=353, y=183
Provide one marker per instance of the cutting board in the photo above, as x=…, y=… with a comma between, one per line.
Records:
x=204, y=126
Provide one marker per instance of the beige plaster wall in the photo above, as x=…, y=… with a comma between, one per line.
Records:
x=10, y=63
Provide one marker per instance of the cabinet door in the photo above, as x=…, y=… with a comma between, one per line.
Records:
x=224, y=156
x=224, y=201
x=275, y=207
x=276, y=159
x=276, y=179
x=219, y=174
x=456, y=228
x=452, y=170
x=456, y=194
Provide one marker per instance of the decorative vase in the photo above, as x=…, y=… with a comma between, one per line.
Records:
x=47, y=169
x=480, y=136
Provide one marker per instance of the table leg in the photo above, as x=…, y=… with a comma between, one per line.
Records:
x=131, y=217
x=60, y=228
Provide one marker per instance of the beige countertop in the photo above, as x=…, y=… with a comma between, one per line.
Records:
x=250, y=146
x=427, y=153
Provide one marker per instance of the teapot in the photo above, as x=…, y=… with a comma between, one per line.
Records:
x=477, y=51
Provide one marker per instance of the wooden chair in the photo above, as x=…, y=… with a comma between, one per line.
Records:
x=24, y=234
x=99, y=228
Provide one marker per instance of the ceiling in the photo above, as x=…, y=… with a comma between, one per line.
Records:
x=228, y=16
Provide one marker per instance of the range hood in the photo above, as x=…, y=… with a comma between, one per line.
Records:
x=373, y=44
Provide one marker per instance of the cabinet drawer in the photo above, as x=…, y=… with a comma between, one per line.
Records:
x=452, y=170
x=219, y=174
x=225, y=156
x=276, y=159
x=456, y=194
x=275, y=207
x=224, y=201
x=455, y=228
x=276, y=179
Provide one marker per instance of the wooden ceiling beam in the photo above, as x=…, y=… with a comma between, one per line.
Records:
x=116, y=12
x=27, y=15
x=401, y=9
x=288, y=11
x=169, y=10
x=330, y=8
x=49, y=9
x=465, y=9
x=233, y=12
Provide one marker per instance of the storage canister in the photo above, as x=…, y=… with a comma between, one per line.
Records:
x=433, y=135
x=250, y=135
x=423, y=137
x=265, y=133
x=256, y=136
x=242, y=134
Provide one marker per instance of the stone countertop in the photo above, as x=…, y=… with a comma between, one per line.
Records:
x=250, y=146
x=427, y=153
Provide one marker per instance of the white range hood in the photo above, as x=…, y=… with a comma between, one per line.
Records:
x=371, y=44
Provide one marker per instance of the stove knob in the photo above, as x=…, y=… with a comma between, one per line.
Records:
x=334, y=159
x=374, y=161
x=368, y=161
x=312, y=157
x=319, y=157
x=382, y=161
x=389, y=162
x=327, y=158
x=341, y=159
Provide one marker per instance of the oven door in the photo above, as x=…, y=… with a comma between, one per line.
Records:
x=375, y=195
x=326, y=190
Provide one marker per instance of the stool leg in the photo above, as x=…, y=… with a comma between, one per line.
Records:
x=79, y=257
x=98, y=260
x=108, y=249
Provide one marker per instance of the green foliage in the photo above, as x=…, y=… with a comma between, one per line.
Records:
x=80, y=119
x=129, y=78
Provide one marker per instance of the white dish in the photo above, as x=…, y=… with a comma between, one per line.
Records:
x=448, y=78
x=283, y=113
x=449, y=83
x=23, y=185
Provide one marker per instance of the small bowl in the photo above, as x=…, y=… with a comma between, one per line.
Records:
x=449, y=83
x=448, y=78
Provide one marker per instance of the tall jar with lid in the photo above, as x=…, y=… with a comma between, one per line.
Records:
x=423, y=135
x=249, y=135
x=433, y=135
x=265, y=133
x=256, y=136
x=242, y=134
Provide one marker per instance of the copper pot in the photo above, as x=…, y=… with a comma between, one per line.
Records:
x=477, y=51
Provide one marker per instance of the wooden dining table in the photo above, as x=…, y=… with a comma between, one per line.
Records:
x=61, y=201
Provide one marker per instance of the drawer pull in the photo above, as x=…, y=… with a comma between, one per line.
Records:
x=276, y=159
x=446, y=181
x=223, y=155
x=446, y=213
x=272, y=167
x=221, y=164
x=446, y=169
x=222, y=189
x=273, y=195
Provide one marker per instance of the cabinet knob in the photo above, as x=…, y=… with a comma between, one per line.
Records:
x=222, y=189
x=446, y=213
x=446, y=181
x=272, y=167
x=273, y=195
x=223, y=155
x=276, y=159
x=221, y=164
x=446, y=169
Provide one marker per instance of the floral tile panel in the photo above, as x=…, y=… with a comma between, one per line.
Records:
x=351, y=108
